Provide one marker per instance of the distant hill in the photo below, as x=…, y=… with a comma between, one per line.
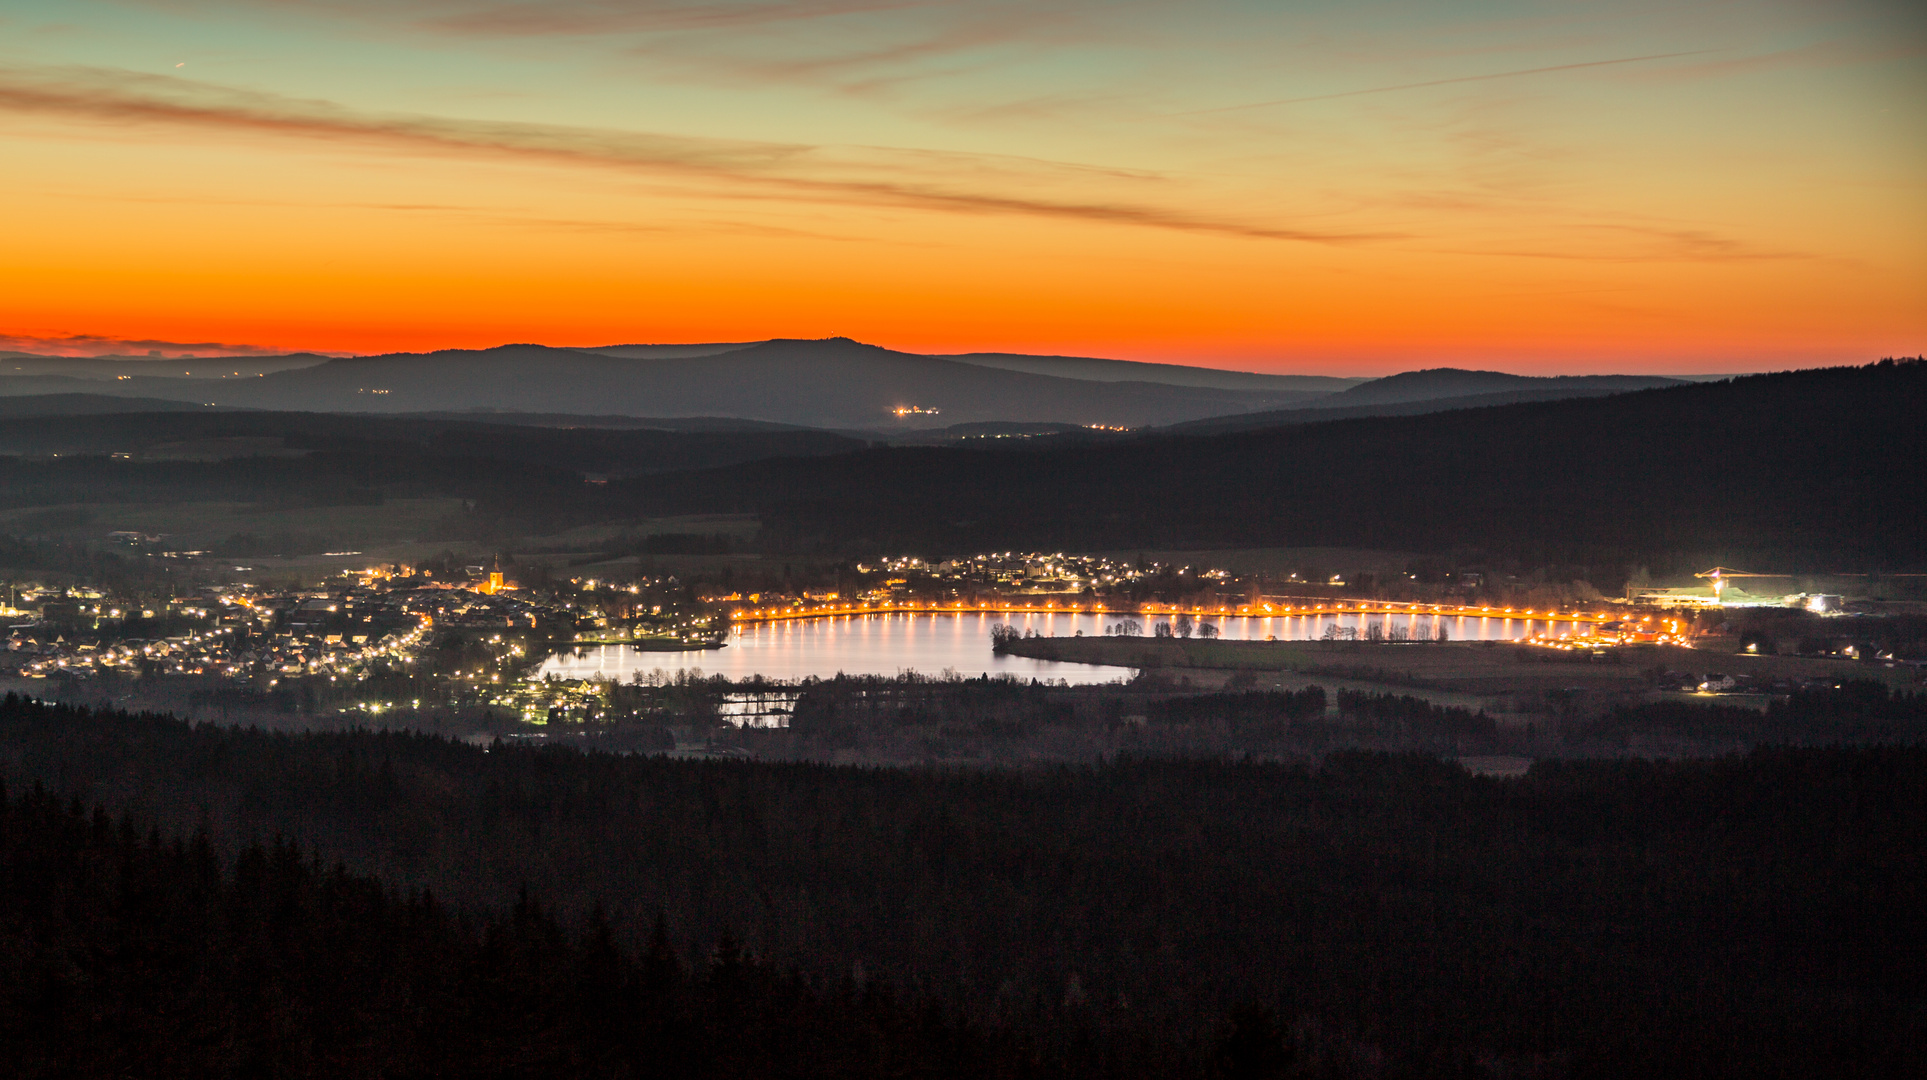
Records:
x=36, y=405
x=711, y=424
x=207, y=434
x=1813, y=468
x=1093, y=369
x=834, y=383
x=213, y=368
x=1100, y=370
x=1799, y=471
x=1005, y=431
x=1434, y=383
x=1319, y=412
x=669, y=352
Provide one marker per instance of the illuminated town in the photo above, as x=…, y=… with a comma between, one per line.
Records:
x=389, y=640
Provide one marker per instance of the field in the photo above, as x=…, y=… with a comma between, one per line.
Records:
x=201, y=525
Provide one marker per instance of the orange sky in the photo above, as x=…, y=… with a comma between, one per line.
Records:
x=1352, y=189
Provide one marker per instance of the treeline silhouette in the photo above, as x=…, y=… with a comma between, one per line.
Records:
x=914, y=718
x=126, y=954
x=831, y=711
x=1412, y=714
x=25, y=558
x=1252, y=708
x=1856, y=711
x=1382, y=914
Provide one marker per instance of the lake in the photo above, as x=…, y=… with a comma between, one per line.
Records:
x=932, y=644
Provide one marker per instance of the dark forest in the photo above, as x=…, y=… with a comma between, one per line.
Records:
x=1375, y=914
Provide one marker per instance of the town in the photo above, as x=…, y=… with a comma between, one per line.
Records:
x=467, y=644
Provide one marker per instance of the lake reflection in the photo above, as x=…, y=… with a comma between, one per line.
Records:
x=931, y=644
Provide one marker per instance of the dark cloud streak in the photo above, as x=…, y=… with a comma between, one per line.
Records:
x=777, y=169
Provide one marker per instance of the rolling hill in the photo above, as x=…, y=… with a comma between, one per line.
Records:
x=1100, y=370
x=1801, y=469
x=31, y=406
x=834, y=383
x=1433, y=384
x=1319, y=412
x=207, y=435
x=1800, y=465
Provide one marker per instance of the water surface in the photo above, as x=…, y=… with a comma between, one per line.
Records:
x=929, y=644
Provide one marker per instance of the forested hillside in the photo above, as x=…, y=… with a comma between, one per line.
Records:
x=1742, y=916
x=1803, y=467
x=1805, y=470
x=127, y=953
x=152, y=435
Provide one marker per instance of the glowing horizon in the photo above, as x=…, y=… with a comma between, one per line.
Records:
x=1335, y=189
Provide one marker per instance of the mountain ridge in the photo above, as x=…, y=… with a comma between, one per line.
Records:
x=1777, y=467
x=832, y=383
x=835, y=384
x=1429, y=384
x=1319, y=412
x=1097, y=369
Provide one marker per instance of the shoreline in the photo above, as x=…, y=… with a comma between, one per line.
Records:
x=1297, y=608
x=651, y=644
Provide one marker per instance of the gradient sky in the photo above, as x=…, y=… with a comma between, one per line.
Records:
x=1344, y=188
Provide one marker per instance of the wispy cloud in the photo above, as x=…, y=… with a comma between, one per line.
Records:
x=1599, y=243
x=1521, y=73
x=601, y=18
x=882, y=177
x=1821, y=54
x=859, y=65
x=506, y=217
x=855, y=47
x=586, y=17
x=104, y=345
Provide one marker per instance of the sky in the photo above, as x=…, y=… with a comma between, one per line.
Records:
x=1350, y=188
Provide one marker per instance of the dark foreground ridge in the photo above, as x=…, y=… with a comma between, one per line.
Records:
x=130, y=955
x=1381, y=915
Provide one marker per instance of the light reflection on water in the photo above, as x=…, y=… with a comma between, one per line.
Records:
x=930, y=644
